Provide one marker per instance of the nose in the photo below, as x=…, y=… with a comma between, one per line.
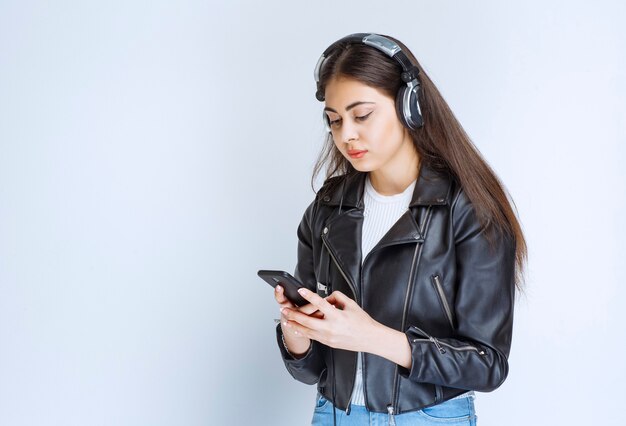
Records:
x=348, y=132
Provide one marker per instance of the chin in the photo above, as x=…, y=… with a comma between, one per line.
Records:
x=361, y=166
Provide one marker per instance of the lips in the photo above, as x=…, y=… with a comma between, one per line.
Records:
x=356, y=153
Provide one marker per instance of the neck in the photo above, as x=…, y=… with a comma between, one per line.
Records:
x=395, y=180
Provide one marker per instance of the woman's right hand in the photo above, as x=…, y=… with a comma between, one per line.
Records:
x=296, y=343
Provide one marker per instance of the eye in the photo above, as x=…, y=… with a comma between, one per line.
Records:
x=363, y=117
x=334, y=123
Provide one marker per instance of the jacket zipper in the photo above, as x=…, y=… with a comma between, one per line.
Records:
x=442, y=297
x=442, y=350
x=343, y=274
x=392, y=420
x=416, y=254
x=352, y=287
x=390, y=407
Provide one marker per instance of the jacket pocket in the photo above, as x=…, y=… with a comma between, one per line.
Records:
x=436, y=282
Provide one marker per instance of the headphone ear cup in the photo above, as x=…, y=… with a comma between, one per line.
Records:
x=400, y=107
x=411, y=116
x=326, y=122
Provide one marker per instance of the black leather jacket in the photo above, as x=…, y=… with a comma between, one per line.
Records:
x=434, y=276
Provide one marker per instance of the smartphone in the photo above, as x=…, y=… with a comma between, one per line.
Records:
x=288, y=282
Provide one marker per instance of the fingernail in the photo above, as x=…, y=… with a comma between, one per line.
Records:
x=303, y=291
x=278, y=287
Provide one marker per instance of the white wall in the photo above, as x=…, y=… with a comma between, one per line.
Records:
x=154, y=155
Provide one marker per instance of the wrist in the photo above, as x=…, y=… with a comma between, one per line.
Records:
x=391, y=344
x=378, y=340
x=296, y=347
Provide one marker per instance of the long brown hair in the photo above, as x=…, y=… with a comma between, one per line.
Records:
x=441, y=143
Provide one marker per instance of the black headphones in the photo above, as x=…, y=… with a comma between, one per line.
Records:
x=407, y=104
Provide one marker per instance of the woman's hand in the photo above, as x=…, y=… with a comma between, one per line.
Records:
x=297, y=343
x=341, y=322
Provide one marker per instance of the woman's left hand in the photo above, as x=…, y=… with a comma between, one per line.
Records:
x=343, y=323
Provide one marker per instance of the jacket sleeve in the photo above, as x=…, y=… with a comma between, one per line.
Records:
x=476, y=358
x=308, y=368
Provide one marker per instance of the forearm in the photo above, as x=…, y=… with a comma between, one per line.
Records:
x=390, y=344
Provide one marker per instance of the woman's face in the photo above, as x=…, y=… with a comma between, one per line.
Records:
x=366, y=128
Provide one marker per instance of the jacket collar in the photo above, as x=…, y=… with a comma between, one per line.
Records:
x=431, y=188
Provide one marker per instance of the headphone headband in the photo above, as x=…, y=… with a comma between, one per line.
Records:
x=383, y=44
x=407, y=102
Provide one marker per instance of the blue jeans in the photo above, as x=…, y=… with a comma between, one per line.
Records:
x=454, y=412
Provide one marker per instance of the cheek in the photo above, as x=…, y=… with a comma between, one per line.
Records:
x=337, y=141
x=337, y=144
x=383, y=135
x=341, y=147
x=394, y=131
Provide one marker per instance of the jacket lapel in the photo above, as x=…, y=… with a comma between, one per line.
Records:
x=432, y=188
x=342, y=235
x=405, y=230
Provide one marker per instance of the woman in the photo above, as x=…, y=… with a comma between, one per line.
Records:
x=411, y=251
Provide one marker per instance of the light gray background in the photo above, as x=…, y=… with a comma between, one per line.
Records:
x=155, y=155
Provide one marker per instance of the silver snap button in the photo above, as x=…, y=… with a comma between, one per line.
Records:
x=325, y=231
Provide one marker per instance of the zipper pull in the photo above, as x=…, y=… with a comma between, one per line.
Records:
x=441, y=349
x=323, y=288
x=392, y=420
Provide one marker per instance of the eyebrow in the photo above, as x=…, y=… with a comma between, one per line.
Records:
x=349, y=107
